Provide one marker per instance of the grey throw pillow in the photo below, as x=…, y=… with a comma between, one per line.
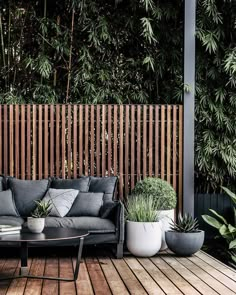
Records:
x=61, y=199
x=7, y=207
x=87, y=204
x=26, y=192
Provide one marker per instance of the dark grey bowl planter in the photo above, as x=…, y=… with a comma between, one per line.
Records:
x=185, y=244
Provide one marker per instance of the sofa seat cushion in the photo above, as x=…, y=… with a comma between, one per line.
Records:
x=12, y=220
x=90, y=224
x=26, y=192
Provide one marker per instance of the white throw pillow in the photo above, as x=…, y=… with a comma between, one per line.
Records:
x=61, y=200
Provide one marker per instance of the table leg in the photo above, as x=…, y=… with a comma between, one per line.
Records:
x=24, y=259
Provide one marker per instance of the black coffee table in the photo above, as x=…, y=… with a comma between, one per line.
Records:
x=48, y=234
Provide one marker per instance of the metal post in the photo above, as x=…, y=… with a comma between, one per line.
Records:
x=189, y=80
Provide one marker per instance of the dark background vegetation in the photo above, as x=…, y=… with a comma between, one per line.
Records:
x=102, y=51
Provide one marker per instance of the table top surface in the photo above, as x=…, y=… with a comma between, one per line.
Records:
x=48, y=234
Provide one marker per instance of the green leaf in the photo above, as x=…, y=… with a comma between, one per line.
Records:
x=232, y=244
x=219, y=216
x=212, y=221
x=231, y=194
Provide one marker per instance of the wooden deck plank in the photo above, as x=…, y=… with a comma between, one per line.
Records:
x=228, y=271
x=114, y=281
x=146, y=280
x=17, y=287
x=83, y=283
x=189, y=276
x=204, y=276
x=34, y=286
x=130, y=280
x=162, y=274
x=51, y=269
x=97, y=277
x=214, y=273
x=176, y=278
x=66, y=270
x=8, y=269
x=159, y=277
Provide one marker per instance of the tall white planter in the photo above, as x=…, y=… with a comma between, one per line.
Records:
x=165, y=217
x=143, y=238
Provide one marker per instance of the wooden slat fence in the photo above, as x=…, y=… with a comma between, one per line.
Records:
x=131, y=141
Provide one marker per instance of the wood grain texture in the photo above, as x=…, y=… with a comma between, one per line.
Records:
x=102, y=274
x=128, y=141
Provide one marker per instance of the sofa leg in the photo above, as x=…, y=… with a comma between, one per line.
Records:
x=119, y=250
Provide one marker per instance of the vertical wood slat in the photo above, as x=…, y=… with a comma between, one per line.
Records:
x=34, y=141
x=16, y=142
x=121, y=144
x=109, y=150
x=22, y=143
x=86, y=140
x=163, y=142
x=180, y=191
x=115, y=140
x=58, y=144
x=75, y=141
x=69, y=141
x=45, y=152
x=174, y=150
x=52, y=140
x=28, y=143
x=126, y=143
x=103, y=140
x=92, y=141
x=150, y=136
x=168, y=171
x=138, y=142
x=144, y=141
x=156, y=141
x=40, y=139
x=63, y=140
x=98, y=140
x=11, y=140
x=81, y=150
x=5, y=141
x=132, y=164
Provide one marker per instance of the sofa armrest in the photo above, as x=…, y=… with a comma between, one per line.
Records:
x=120, y=221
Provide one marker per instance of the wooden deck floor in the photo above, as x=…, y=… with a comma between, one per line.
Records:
x=163, y=274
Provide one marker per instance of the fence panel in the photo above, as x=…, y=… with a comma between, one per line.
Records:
x=130, y=141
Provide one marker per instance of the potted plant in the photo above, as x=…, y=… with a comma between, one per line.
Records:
x=165, y=200
x=185, y=238
x=36, y=222
x=142, y=228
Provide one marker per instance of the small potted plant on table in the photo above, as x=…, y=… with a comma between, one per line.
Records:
x=185, y=238
x=36, y=222
x=142, y=228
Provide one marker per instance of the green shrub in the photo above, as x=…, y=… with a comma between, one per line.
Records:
x=141, y=209
x=161, y=191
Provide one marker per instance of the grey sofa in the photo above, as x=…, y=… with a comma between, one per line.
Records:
x=104, y=220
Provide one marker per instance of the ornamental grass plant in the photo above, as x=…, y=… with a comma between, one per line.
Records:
x=141, y=209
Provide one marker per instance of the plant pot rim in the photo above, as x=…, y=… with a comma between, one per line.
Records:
x=166, y=209
x=30, y=217
x=157, y=221
x=194, y=232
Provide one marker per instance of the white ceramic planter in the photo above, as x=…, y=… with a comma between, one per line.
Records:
x=165, y=217
x=143, y=238
x=35, y=225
